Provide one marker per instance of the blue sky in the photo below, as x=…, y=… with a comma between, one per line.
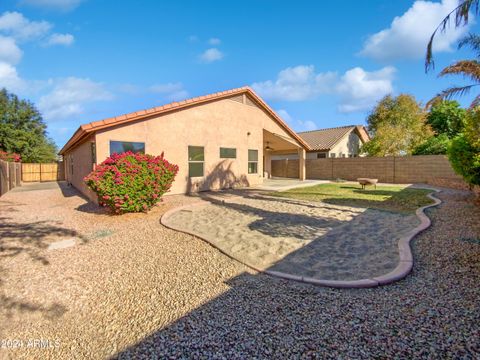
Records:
x=318, y=64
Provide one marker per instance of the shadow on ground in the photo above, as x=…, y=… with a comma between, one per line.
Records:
x=29, y=239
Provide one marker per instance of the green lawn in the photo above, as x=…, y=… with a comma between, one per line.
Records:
x=392, y=198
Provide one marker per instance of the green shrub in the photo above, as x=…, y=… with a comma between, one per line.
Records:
x=464, y=150
x=130, y=182
x=465, y=159
x=435, y=145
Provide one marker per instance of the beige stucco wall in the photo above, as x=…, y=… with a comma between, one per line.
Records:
x=349, y=144
x=81, y=156
x=222, y=123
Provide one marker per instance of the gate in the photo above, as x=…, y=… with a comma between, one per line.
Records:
x=43, y=172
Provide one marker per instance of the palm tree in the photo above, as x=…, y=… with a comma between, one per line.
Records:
x=468, y=68
x=462, y=15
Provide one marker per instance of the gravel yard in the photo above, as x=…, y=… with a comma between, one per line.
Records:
x=131, y=288
x=303, y=238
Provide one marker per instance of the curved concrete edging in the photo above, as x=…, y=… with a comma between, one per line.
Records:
x=403, y=268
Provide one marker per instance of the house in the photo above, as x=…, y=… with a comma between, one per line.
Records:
x=218, y=141
x=343, y=141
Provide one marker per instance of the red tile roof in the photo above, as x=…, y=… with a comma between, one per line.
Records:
x=325, y=139
x=87, y=129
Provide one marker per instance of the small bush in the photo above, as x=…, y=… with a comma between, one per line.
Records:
x=10, y=156
x=130, y=182
x=464, y=150
x=465, y=159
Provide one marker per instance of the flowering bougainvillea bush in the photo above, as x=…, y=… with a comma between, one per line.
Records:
x=10, y=156
x=131, y=182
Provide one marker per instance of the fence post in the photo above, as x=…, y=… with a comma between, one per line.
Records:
x=394, y=169
x=18, y=173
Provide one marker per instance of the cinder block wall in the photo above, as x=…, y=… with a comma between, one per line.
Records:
x=434, y=169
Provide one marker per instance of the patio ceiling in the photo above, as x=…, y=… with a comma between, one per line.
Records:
x=278, y=142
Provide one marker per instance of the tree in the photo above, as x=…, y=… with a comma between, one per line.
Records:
x=464, y=150
x=435, y=145
x=446, y=117
x=470, y=69
x=397, y=126
x=461, y=16
x=23, y=131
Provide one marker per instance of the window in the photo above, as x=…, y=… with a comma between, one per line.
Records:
x=252, y=161
x=321, y=155
x=228, y=153
x=124, y=146
x=196, y=159
x=332, y=155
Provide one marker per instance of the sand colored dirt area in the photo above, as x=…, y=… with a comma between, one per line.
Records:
x=298, y=237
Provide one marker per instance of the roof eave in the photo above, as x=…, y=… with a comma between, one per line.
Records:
x=175, y=106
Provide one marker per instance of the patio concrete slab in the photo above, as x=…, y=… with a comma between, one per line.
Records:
x=283, y=184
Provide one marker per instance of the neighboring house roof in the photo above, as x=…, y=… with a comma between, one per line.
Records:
x=325, y=139
x=87, y=129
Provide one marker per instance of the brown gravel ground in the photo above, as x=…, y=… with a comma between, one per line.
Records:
x=134, y=289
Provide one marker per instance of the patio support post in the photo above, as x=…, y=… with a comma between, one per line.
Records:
x=302, y=154
x=268, y=165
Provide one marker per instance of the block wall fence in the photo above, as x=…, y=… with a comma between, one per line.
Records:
x=430, y=169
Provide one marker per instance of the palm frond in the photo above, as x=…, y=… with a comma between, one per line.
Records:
x=450, y=93
x=475, y=102
x=472, y=41
x=468, y=68
x=461, y=13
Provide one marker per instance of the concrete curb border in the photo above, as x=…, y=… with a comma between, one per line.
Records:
x=403, y=268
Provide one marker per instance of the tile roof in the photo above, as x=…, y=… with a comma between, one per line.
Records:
x=85, y=130
x=325, y=139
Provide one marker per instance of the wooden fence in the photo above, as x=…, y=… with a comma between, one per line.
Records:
x=43, y=172
x=10, y=176
x=433, y=169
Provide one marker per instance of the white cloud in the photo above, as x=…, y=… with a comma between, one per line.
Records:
x=178, y=95
x=297, y=125
x=211, y=55
x=130, y=89
x=166, y=88
x=193, y=38
x=60, y=39
x=214, y=41
x=69, y=96
x=9, y=51
x=408, y=35
x=62, y=5
x=360, y=90
x=172, y=91
x=9, y=78
x=296, y=84
x=19, y=27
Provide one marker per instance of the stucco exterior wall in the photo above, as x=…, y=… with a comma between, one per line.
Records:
x=221, y=123
x=81, y=157
x=349, y=144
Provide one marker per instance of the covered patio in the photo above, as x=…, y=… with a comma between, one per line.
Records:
x=276, y=144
